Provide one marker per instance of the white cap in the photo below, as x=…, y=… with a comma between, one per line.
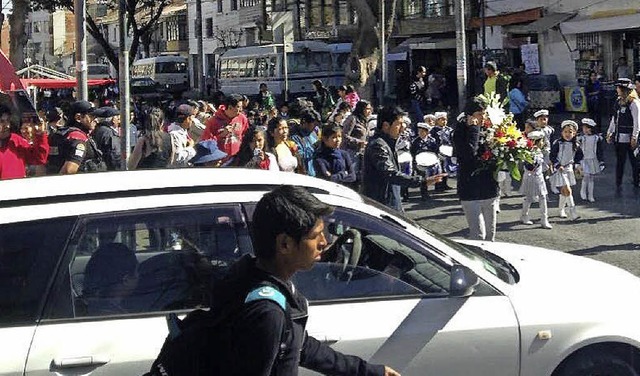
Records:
x=541, y=113
x=589, y=122
x=569, y=123
x=440, y=115
x=429, y=117
x=535, y=135
x=461, y=117
x=423, y=126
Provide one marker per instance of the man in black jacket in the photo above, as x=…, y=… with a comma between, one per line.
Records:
x=381, y=169
x=107, y=137
x=288, y=237
x=477, y=189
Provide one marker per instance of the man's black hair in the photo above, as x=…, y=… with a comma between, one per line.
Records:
x=389, y=114
x=285, y=210
x=4, y=110
x=232, y=100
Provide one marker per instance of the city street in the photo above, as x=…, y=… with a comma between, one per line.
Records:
x=608, y=230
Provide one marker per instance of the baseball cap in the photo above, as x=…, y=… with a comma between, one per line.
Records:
x=54, y=114
x=80, y=107
x=106, y=112
x=207, y=151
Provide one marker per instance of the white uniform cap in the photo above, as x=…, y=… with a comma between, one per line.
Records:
x=424, y=126
x=589, y=122
x=541, y=113
x=429, y=117
x=461, y=117
x=535, y=135
x=569, y=123
x=440, y=115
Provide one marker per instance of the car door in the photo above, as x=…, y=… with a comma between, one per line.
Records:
x=394, y=307
x=29, y=253
x=122, y=273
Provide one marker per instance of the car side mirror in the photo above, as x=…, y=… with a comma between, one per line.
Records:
x=463, y=281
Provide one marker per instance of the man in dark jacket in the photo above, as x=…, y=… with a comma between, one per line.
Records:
x=381, y=169
x=288, y=237
x=477, y=189
x=107, y=137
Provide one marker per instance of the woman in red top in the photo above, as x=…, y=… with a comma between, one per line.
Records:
x=16, y=152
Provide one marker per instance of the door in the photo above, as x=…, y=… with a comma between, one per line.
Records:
x=123, y=272
x=394, y=307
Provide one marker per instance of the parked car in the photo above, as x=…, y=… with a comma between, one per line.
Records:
x=387, y=289
x=146, y=88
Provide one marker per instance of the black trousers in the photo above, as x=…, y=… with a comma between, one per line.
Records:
x=624, y=150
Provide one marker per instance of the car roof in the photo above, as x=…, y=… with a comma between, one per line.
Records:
x=79, y=187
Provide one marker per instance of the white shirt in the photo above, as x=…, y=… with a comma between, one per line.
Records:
x=625, y=137
x=181, y=152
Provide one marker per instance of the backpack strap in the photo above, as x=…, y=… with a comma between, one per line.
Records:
x=267, y=293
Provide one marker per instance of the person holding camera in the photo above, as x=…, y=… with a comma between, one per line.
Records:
x=253, y=152
x=16, y=152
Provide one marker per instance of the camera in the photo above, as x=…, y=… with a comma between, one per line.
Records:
x=257, y=152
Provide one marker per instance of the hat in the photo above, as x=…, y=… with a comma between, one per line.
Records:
x=440, y=115
x=473, y=106
x=207, y=151
x=461, y=117
x=423, y=126
x=184, y=110
x=569, y=123
x=625, y=83
x=589, y=122
x=535, y=135
x=106, y=112
x=80, y=107
x=429, y=117
x=54, y=114
x=491, y=65
x=541, y=113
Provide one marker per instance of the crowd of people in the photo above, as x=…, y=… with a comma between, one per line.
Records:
x=379, y=152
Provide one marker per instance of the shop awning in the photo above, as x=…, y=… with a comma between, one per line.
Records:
x=541, y=25
x=631, y=21
x=48, y=83
x=9, y=80
x=522, y=16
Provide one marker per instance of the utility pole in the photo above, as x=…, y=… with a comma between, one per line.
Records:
x=123, y=80
x=461, y=54
x=483, y=4
x=200, y=61
x=383, y=55
x=80, y=9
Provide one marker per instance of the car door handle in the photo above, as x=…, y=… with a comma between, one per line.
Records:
x=80, y=361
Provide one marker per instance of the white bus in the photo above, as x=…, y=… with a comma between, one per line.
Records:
x=96, y=71
x=168, y=70
x=241, y=70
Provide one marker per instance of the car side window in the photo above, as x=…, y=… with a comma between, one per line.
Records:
x=370, y=258
x=152, y=261
x=29, y=253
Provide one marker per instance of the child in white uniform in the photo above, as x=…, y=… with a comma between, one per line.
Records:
x=534, y=187
x=565, y=152
x=591, y=145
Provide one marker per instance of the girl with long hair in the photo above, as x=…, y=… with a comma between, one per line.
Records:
x=285, y=150
x=154, y=148
x=254, y=152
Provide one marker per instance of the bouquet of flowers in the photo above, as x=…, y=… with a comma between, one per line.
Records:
x=504, y=146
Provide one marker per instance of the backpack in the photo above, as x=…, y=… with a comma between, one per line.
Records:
x=194, y=344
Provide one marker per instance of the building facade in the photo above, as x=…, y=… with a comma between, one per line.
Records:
x=50, y=40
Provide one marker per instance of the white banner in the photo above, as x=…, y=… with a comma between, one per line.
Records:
x=530, y=58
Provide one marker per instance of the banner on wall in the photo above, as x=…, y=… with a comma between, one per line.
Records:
x=530, y=58
x=575, y=99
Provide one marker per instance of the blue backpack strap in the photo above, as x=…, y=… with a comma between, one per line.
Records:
x=267, y=293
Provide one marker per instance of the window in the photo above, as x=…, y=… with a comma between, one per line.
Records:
x=234, y=4
x=209, y=27
x=390, y=263
x=412, y=8
x=29, y=253
x=151, y=261
x=219, y=6
x=303, y=62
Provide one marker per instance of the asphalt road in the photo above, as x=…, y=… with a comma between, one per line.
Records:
x=608, y=229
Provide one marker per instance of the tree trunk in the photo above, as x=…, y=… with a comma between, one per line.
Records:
x=96, y=33
x=365, y=56
x=17, y=36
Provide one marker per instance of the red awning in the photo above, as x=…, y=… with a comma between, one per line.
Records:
x=49, y=83
x=518, y=17
x=9, y=80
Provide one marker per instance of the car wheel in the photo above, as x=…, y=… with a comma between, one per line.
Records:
x=592, y=363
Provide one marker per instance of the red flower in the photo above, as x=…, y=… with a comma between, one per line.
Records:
x=530, y=144
x=511, y=144
x=500, y=134
x=487, y=123
x=486, y=155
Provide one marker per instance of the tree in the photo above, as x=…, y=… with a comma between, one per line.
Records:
x=17, y=36
x=142, y=19
x=365, y=51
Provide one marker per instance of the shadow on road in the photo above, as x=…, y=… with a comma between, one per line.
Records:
x=606, y=248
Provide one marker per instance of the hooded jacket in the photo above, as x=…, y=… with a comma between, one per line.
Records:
x=255, y=337
x=229, y=144
x=16, y=153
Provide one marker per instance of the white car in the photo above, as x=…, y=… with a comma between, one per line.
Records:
x=394, y=292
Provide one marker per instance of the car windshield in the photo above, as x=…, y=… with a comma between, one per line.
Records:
x=488, y=261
